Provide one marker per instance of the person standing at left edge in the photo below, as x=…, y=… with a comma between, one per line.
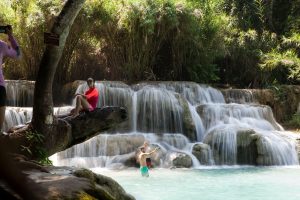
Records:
x=11, y=51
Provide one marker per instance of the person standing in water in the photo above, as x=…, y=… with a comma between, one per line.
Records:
x=11, y=51
x=148, y=159
x=142, y=159
x=147, y=149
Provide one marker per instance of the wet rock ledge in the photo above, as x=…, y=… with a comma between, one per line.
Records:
x=74, y=183
x=66, y=183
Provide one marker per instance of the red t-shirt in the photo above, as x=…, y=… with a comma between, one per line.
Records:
x=92, y=96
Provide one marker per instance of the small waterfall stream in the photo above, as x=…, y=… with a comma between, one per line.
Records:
x=198, y=122
x=190, y=122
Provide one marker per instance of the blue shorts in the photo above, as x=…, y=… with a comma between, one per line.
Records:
x=144, y=171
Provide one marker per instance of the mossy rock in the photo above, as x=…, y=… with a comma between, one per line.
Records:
x=103, y=187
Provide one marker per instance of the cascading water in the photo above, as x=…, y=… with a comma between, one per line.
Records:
x=19, y=93
x=198, y=122
x=158, y=110
x=190, y=122
x=21, y=115
x=15, y=116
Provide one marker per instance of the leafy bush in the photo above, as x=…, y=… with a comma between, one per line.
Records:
x=283, y=66
x=295, y=121
x=244, y=53
x=245, y=43
x=34, y=147
x=160, y=40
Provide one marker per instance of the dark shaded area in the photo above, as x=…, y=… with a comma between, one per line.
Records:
x=14, y=184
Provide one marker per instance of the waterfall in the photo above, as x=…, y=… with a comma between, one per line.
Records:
x=198, y=122
x=276, y=148
x=21, y=115
x=239, y=96
x=134, y=111
x=243, y=115
x=158, y=111
x=16, y=116
x=224, y=123
x=224, y=143
x=193, y=124
x=108, y=150
x=19, y=93
x=193, y=92
x=110, y=93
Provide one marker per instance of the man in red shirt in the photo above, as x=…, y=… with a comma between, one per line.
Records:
x=87, y=101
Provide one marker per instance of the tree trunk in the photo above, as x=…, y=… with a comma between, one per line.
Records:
x=60, y=134
x=48, y=134
x=43, y=120
x=69, y=131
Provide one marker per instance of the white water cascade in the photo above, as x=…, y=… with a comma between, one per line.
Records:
x=198, y=122
x=19, y=93
x=190, y=122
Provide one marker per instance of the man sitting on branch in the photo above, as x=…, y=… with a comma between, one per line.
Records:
x=87, y=101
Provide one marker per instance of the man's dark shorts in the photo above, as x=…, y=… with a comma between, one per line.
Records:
x=2, y=96
x=148, y=162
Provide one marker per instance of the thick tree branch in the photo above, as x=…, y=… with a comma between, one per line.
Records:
x=69, y=131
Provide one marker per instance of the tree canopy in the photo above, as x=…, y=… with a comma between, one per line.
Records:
x=252, y=43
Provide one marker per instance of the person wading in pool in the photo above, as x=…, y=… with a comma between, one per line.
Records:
x=148, y=159
x=142, y=159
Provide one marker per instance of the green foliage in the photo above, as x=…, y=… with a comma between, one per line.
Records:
x=283, y=62
x=276, y=60
x=244, y=52
x=246, y=43
x=292, y=42
x=295, y=121
x=275, y=15
x=160, y=40
x=247, y=14
x=280, y=93
x=260, y=55
x=34, y=147
x=293, y=20
x=29, y=20
x=144, y=40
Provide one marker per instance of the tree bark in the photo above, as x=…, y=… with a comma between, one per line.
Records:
x=43, y=120
x=68, y=132
x=48, y=134
x=59, y=134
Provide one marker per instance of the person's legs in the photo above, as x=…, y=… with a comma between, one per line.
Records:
x=81, y=104
x=78, y=106
x=2, y=106
x=148, y=162
x=85, y=104
x=2, y=117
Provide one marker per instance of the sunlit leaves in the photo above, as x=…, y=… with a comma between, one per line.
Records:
x=287, y=59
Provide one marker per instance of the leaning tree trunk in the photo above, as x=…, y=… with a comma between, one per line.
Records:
x=67, y=132
x=58, y=134
x=48, y=134
x=43, y=120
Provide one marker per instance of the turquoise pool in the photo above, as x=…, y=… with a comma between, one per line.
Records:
x=226, y=183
